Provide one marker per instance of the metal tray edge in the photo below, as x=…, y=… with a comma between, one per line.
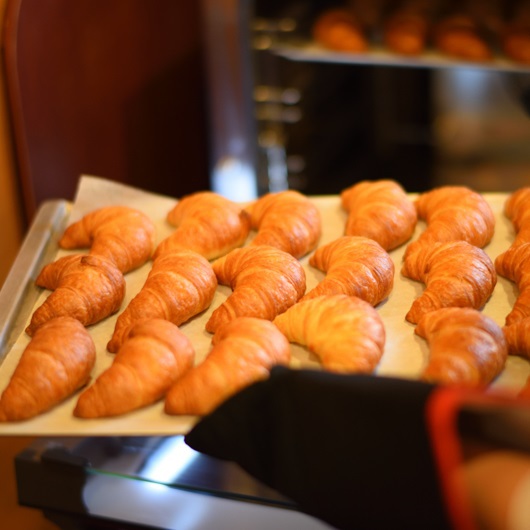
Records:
x=18, y=293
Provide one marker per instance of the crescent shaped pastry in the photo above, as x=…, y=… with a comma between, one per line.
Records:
x=356, y=266
x=518, y=338
x=514, y=265
x=153, y=356
x=286, y=220
x=466, y=346
x=455, y=274
x=56, y=362
x=265, y=281
x=379, y=210
x=346, y=333
x=406, y=28
x=517, y=209
x=459, y=36
x=244, y=351
x=339, y=29
x=453, y=213
x=179, y=286
x=206, y=223
x=86, y=287
x=123, y=235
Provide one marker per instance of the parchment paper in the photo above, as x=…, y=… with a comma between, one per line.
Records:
x=405, y=353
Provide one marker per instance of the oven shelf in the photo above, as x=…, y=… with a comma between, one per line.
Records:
x=309, y=51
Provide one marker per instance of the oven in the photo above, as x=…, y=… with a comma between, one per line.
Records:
x=289, y=110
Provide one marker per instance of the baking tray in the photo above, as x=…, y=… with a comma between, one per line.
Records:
x=405, y=353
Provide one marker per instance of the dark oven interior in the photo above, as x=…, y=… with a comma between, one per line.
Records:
x=326, y=118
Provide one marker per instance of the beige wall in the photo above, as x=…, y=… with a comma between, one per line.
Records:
x=10, y=208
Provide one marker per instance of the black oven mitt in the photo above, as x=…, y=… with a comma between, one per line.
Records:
x=351, y=450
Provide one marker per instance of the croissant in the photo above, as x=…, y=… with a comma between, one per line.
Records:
x=466, y=346
x=381, y=211
x=153, y=356
x=406, y=28
x=455, y=274
x=346, y=333
x=518, y=337
x=339, y=29
x=356, y=266
x=56, y=362
x=459, y=36
x=265, y=281
x=517, y=209
x=86, y=287
x=244, y=351
x=453, y=213
x=179, y=286
x=286, y=220
x=514, y=265
x=206, y=223
x=123, y=235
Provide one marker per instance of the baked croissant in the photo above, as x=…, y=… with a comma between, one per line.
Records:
x=455, y=274
x=286, y=220
x=379, y=210
x=518, y=337
x=356, y=266
x=244, y=351
x=206, y=223
x=153, y=356
x=123, y=235
x=453, y=213
x=265, y=281
x=56, y=362
x=514, y=265
x=339, y=29
x=466, y=346
x=517, y=209
x=459, y=36
x=346, y=333
x=406, y=28
x=179, y=286
x=86, y=287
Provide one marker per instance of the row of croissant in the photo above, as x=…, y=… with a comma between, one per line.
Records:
x=471, y=30
x=269, y=306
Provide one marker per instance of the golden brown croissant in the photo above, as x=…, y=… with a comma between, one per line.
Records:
x=346, y=333
x=453, y=213
x=356, y=266
x=86, y=287
x=459, y=36
x=286, y=220
x=153, y=356
x=517, y=209
x=55, y=363
x=339, y=29
x=406, y=28
x=518, y=337
x=379, y=210
x=455, y=274
x=244, y=351
x=123, y=235
x=179, y=286
x=265, y=281
x=514, y=264
x=466, y=346
x=206, y=223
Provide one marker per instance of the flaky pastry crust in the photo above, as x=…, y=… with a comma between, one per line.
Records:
x=122, y=235
x=244, y=351
x=466, y=346
x=346, y=333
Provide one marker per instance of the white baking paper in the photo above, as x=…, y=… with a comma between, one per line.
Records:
x=405, y=353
